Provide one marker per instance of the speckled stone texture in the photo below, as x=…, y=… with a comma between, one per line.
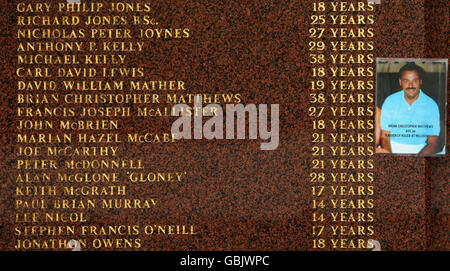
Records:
x=438, y=168
x=237, y=196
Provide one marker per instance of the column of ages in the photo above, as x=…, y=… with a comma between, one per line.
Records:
x=341, y=95
x=316, y=110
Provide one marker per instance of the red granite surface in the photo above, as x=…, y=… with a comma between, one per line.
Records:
x=239, y=197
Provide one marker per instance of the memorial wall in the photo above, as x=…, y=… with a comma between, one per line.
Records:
x=224, y=125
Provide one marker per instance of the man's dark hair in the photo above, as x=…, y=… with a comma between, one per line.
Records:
x=411, y=66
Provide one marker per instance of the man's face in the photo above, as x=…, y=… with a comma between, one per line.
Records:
x=410, y=83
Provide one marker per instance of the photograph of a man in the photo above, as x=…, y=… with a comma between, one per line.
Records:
x=409, y=121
